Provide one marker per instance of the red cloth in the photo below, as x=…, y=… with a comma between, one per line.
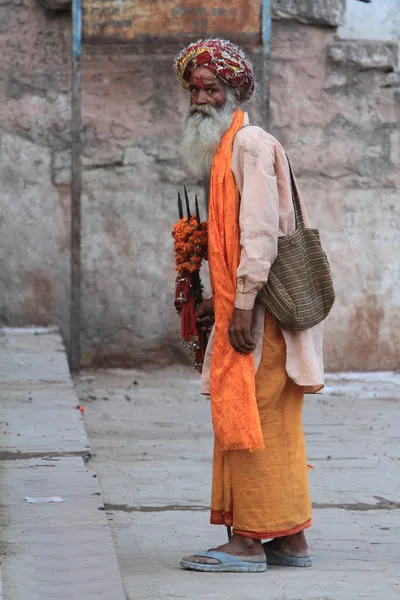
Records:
x=185, y=306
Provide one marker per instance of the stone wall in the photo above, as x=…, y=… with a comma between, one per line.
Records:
x=334, y=107
x=331, y=105
x=132, y=109
x=34, y=125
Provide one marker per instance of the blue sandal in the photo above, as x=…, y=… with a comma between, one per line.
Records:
x=275, y=558
x=228, y=564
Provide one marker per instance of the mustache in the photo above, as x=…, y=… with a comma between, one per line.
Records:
x=203, y=109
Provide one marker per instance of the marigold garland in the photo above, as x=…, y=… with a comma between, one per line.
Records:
x=190, y=244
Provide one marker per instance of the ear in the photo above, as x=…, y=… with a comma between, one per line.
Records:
x=237, y=95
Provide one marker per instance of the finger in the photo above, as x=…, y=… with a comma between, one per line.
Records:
x=248, y=339
x=244, y=347
x=233, y=340
x=205, y=323
x=200, y=319
x=237, y=343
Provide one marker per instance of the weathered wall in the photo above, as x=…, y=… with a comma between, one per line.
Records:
x=328, y=108
x=132, y=112
x=334, y=110
x=34, y=119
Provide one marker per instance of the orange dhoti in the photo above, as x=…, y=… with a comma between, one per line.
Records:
x=265, y=493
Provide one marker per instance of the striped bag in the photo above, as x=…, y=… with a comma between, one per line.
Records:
x=299, y=292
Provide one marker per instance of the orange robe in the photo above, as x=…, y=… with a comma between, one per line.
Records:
x=265, y=493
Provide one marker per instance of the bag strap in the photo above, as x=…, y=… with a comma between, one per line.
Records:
x=298, y=214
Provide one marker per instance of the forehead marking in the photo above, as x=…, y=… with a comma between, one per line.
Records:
x=202, y=82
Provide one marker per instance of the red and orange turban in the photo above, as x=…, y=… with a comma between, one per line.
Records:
x=221, y=57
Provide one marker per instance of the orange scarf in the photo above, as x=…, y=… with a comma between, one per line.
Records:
x=233, y=396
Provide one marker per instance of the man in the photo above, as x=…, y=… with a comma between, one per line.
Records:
x=255, y=373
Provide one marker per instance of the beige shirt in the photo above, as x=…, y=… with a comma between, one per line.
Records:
x=261, y=172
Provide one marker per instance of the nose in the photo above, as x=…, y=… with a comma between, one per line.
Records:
x=200, y=98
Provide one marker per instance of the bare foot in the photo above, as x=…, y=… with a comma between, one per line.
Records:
x=246, y=548
x=291, y=545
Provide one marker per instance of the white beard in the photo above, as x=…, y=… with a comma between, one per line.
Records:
x=203, y=129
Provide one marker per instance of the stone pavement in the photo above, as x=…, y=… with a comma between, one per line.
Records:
x=151, y=442
x=49, y=550
x=151, y=439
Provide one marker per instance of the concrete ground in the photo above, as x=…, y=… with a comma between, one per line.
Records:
x=49, y=550
x=151, y=441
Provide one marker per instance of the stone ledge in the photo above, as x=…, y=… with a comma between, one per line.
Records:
x=365, y=55
x=315, y=12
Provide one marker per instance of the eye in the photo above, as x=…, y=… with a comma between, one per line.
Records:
x=193, y=89
x=211, y=91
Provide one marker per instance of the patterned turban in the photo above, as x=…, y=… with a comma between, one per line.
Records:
x=221, y=57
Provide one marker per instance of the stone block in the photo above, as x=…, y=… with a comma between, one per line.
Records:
x=16, y=151
x=136, y=156
x=128, y=261
x=363, y=149
x=365, y=54
x=35, y=224
x=163, y=149
x=320, y=12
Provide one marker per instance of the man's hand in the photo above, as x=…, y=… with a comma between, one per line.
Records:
x=240, y=331
x=205, y=315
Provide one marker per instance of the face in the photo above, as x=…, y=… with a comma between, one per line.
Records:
x=212, y=105
x=206, y=88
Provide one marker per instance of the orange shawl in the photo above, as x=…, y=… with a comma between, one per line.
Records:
x=233, y=396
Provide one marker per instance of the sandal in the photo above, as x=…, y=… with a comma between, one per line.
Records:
x=275, y=558
x=228, y=564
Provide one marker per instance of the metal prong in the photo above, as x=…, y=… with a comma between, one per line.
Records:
x=187, y=202
x=180, y=208
x=197, y=209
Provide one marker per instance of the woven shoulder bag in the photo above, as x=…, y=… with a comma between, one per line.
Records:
x=299, y=292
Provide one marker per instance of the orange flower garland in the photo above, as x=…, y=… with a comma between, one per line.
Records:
x=190, y=244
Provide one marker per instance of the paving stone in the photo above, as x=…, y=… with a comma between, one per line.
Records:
x=49, y=550
x=37, y=396
x=152, y=448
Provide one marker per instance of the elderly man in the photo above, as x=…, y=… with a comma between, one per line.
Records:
x=255, y=373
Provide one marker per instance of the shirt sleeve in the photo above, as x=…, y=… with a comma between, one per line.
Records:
x=254, y=170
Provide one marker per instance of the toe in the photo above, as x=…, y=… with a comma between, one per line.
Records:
x=201, y=559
